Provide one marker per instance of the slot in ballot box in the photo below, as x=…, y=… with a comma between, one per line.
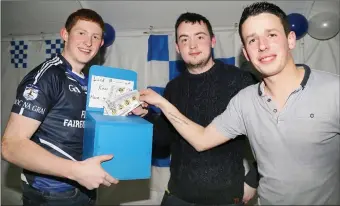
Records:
x=128, y=138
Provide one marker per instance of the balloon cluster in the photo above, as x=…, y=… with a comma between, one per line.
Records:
x=322, y=26
x=109, y=35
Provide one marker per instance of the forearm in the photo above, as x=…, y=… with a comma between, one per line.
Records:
x=199, y=137
x=189, y=130
x=28, y=155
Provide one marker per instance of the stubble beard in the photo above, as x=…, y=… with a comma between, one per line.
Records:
x=198, y=65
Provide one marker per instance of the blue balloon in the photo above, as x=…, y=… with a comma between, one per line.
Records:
x=109, y=35
x=299, y=24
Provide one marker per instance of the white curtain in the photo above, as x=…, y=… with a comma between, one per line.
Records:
x=131, y=52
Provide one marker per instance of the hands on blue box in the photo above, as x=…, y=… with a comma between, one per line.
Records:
x=90, y=173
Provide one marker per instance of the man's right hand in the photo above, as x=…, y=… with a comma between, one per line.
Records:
x=151, y=97
x=90, y=173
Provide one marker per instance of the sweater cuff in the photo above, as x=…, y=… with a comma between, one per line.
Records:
x=252, y=178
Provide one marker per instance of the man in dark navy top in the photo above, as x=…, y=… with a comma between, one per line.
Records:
x=54, y=95
x=44, y=134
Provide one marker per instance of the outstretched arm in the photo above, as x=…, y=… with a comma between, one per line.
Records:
x=199, y=137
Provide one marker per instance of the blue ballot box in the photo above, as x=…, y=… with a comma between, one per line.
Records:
x=128, y=138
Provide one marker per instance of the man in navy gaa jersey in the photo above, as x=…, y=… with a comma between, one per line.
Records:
x=50, y=109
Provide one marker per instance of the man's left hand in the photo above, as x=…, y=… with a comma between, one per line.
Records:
x=249, y=193
x=141, y=110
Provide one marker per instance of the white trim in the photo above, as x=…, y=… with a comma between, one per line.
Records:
x=56, y=148
x=42, y=68
x=55, y=61
x=21, y=110
x=71, y=78
x=81, y=75
x=23, y=178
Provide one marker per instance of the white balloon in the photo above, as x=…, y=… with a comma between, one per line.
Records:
x=324, y=25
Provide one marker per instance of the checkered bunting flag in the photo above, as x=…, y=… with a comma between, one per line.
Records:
x=53, y=47
x=19, y=54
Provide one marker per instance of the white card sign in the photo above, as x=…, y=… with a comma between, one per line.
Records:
x=106, y=87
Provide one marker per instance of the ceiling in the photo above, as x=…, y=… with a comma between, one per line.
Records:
x=36, y=17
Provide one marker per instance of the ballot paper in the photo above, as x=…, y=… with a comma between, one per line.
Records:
x=116, y=96
x=121, y=105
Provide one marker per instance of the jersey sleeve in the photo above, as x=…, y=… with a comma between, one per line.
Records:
x=36, y=94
